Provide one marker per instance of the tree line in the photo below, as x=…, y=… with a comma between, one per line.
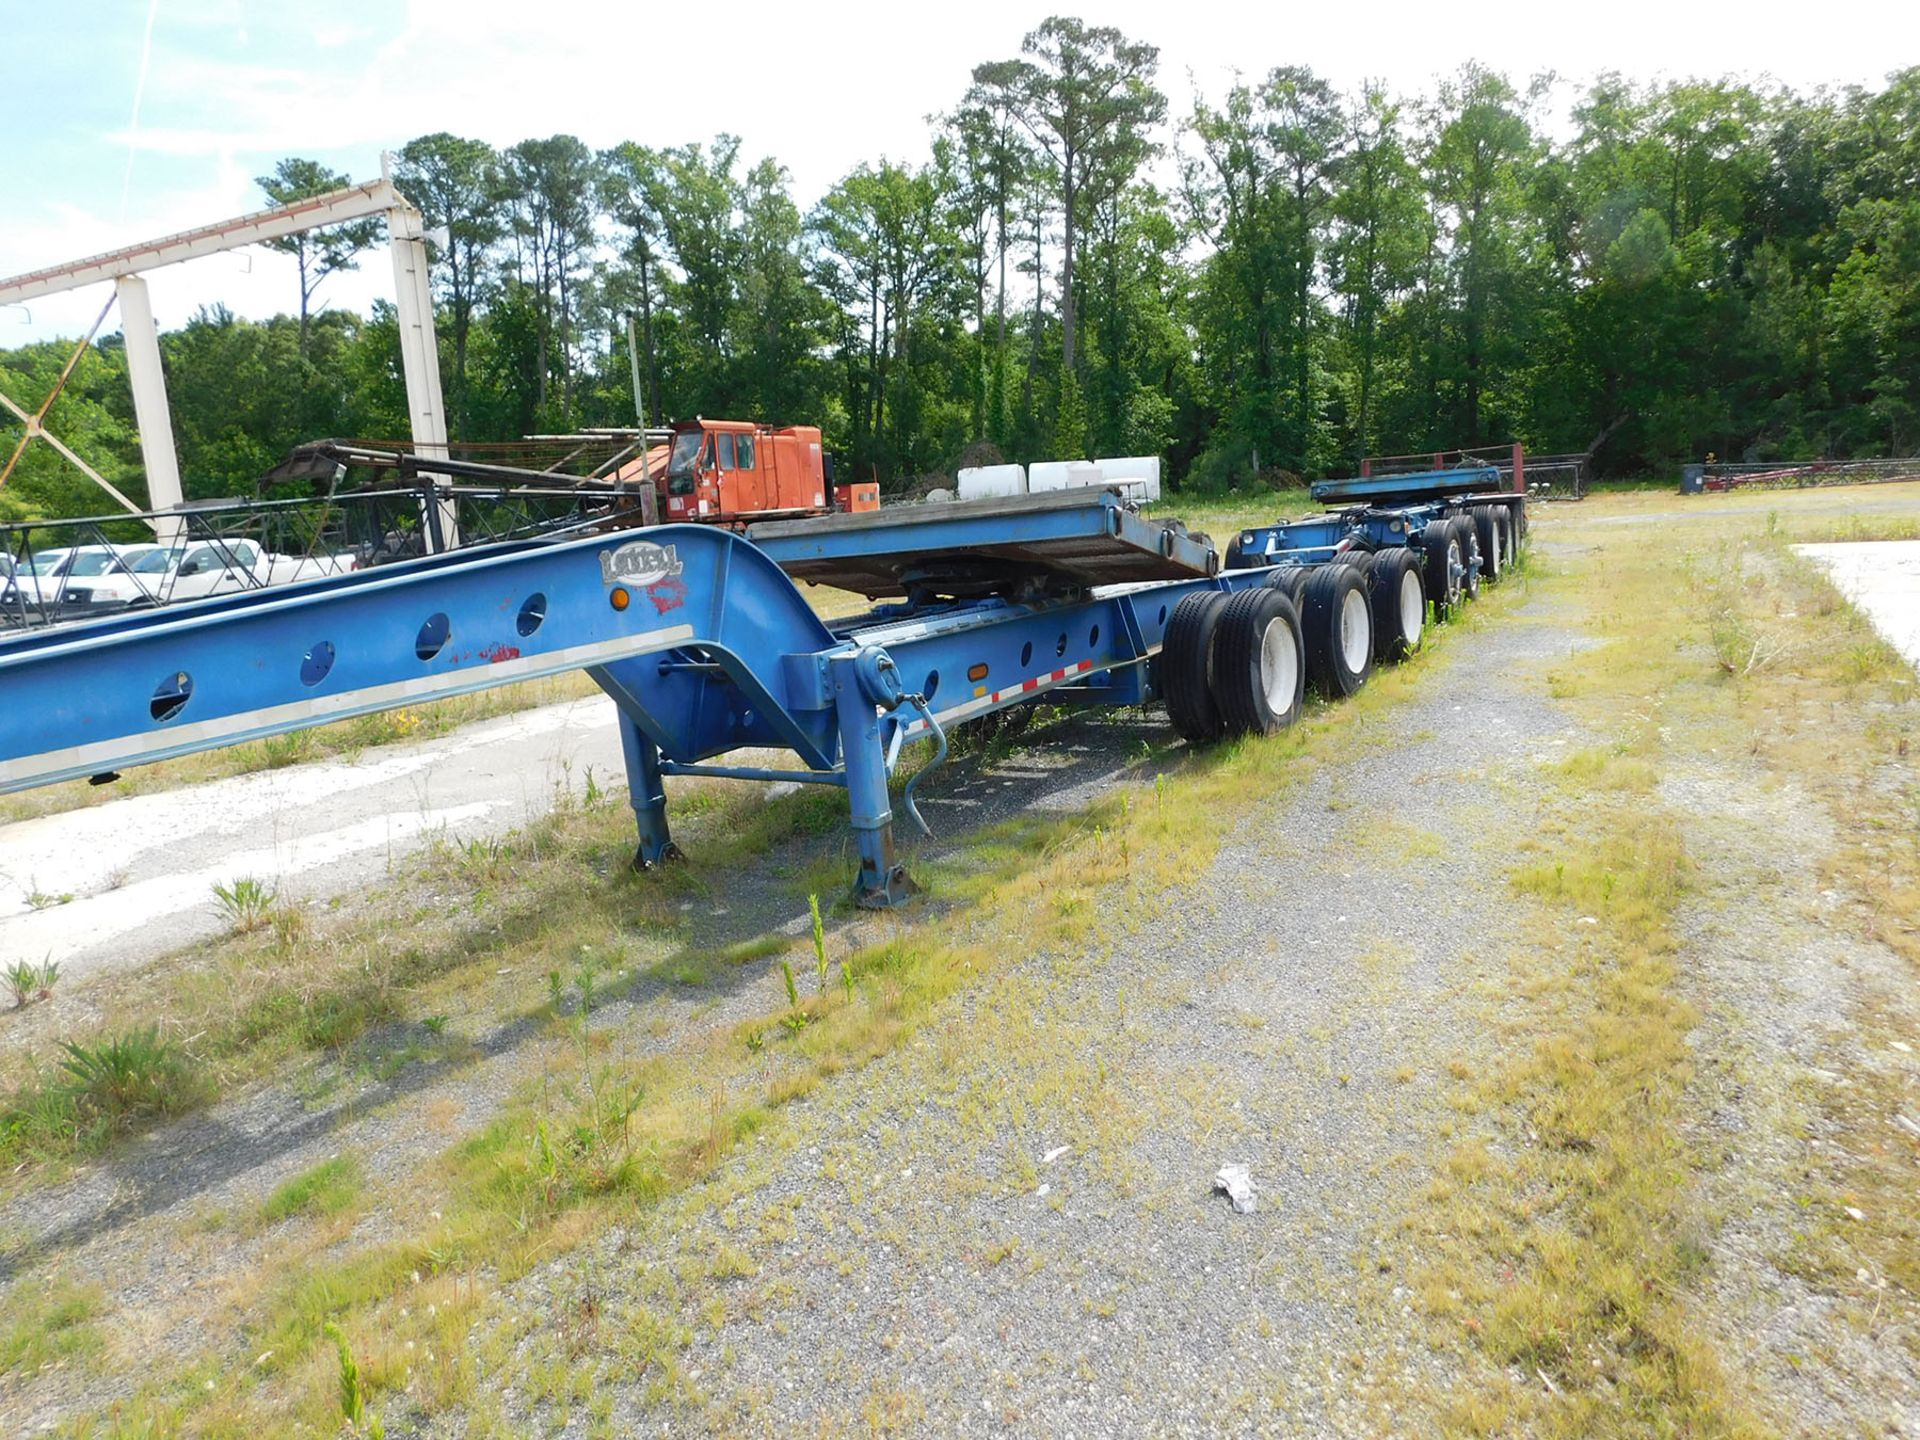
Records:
x=1281, y=281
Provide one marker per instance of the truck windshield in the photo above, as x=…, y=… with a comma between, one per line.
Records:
x=686, y=449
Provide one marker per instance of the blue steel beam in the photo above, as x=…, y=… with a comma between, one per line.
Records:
x=1420, y=484
x=147, y=687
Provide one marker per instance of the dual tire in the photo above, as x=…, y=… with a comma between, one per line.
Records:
x=1395, y=580
x=1233, y=664
x=1240, y=664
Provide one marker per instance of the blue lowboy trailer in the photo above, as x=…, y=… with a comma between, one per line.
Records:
x=707, y=645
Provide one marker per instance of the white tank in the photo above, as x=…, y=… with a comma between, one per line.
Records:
x=1137, y=475
x=1062, y=475
x=983, y=482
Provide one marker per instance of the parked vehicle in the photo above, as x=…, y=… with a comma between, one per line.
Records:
x=58, y=577
x=162, y=575
x=732, y=472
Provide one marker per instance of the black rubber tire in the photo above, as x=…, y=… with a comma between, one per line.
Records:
x=1440, y=551
x=1469, y=556
x=1240, y=683
x=1231, y=559
x=1325, y=619
x=1291, y=581
x=1490, y=531
x=1396, y=633
x=1186, y=667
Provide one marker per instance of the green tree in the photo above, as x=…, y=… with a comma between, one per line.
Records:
x=454, y=183
x=316, y=253
x=1086, y=96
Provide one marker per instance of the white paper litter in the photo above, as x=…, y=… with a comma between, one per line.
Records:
x=1237, y=1181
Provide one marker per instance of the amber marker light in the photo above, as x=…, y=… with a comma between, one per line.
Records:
x=619, y=598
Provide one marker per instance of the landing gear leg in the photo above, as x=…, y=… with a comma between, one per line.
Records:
x=648, y=789
x=881, y=882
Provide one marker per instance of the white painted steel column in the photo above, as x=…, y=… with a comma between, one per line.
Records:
x=157, y=455
x=419, y=352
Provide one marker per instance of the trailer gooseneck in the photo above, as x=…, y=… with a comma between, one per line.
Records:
x=707, y=645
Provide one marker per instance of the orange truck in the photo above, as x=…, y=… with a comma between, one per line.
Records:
x=732, y=472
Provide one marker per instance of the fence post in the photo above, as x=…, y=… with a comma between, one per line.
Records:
x=1519, y=469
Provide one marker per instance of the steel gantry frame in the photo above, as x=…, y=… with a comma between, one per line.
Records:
x=127, y=269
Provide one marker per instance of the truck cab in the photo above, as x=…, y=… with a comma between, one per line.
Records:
x=735, y=471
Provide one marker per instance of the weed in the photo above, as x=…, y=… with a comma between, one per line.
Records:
x=246, y=905
x=32, y=982
x=133, y=1074
x=819, y=940
x=786, y=974
x=353, y=1399
x=97, y=1092
x=279, y=751
x=435, y=1025
x=43, y=900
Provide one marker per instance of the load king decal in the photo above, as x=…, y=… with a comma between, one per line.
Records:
x=639, y=563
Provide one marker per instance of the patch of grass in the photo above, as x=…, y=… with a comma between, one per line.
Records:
x=49, y=1321
x=97, y=1093
x=1565, y=1256
x=327, y=1188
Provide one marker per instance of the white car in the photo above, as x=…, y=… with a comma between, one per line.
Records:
x=64, y=576
x=199, y=568
x=138, y=577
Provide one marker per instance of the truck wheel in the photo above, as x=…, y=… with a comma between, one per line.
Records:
x=1232, y=559
x=1399, y=603
x=1186, y=666
x=1337, y=621
x=1440, y=547
x=1259, y=680
x=1469, y=556
x=1489, y=528
x=1291, y=581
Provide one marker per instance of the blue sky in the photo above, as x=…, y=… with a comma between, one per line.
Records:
x=232, y=85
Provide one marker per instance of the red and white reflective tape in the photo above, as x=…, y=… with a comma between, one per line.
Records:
x=984, y=703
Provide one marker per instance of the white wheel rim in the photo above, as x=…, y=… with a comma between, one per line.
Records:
x=1494, y=556
x=1456, y=565
x=1413, y=606
x=1279, y=666
x=1356, y=634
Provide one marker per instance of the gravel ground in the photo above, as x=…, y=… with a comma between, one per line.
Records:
x=1008, y=1222
x=1779, y=977
x=1295, y=1008
x=158, y=1216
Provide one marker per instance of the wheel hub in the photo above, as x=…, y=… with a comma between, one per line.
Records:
x=1356, y=633
x=1413, y=607
x=1279, y=666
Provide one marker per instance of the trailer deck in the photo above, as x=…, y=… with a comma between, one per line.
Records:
x=1058, y=540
